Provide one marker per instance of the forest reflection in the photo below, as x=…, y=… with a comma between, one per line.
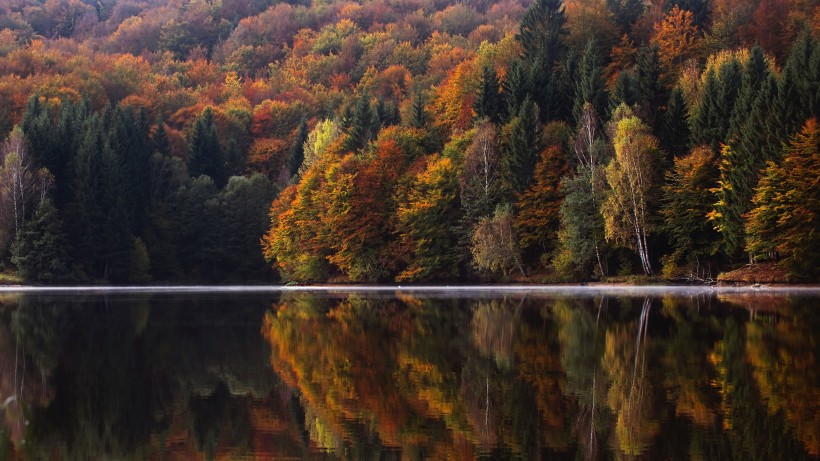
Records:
x=404, y=376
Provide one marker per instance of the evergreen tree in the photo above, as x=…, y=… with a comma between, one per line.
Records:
x=361, y=127
x=204, y=150
x=159, y=139
x=624, y=91
x=522, y=147
x=713, y=115
x=650, y=94
x=582, y=227
x=85, y=229
x=674, y=135
x=418, y=117
x=733, y=194
x=516, y=87
x=754, y=76
x=541, y=33
x=40, y=251
x=786, y=213
x=625, y=12
x=489, y=103
x=589, y=87
x=686, y=203
x=296, y=155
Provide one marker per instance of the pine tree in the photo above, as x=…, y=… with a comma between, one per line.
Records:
x=754, y=76
x=649, y=90
x=297, y=151
x=589, y=86
x=418, y=117
x=522, y=148
x=786, y=213
x=40, y=251
x=625, y=12
x=686, y=202
x=541, y=32
x=674, y=136
x=516, y=88
x=205, y=151
x=361, y=126
x=488, y=103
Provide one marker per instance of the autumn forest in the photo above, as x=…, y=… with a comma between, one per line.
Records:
x=408, y=140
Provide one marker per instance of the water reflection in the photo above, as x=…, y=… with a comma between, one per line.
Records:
x=304, y=375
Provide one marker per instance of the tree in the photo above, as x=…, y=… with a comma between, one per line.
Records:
x=589, y=88
x=541, y=33
x=494, y=247
x=489, y=103
x=296, y=156
x=686, y=203
x=677, y=39
x=786, y=213
x=20, y=182
x=40, y=250
x=204, y=150
x=674, y=134
x=632, y=179
x=539, y=205
x=361, y=126
x=425, y=213
x=522, y=147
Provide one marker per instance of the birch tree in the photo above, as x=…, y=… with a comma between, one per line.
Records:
x=632, y=179
x=20, y=183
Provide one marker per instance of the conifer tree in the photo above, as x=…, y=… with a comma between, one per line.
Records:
x=204, y=150
x=296, y=156
x=488, y=103
x=786, y=213
x=40, y=251
x=589, y=87
x=686, y=202
x=516, y=88
x=418, y=115
x=541, y=32
x=674, y=135
x=361, y=127
x=523, y=147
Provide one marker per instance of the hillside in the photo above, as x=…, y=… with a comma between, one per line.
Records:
x=407, y=140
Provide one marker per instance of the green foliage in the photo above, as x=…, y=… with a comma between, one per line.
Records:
x=521, y=148
x=582, y=227
x=489, y=103
x=786, y=214
x=40, y=251
x=686, y=203
x=205, y=154
x=589, y=83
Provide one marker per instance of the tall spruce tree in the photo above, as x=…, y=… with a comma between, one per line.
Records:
x=674, y=135
x=40, y=251
x=522, y=147
x=589, y=86
x=361, y=125
x=204, y=150
x=296, y=155
x=541, y=32
x=489, y=103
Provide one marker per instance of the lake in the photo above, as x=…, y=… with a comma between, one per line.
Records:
x=410, y=373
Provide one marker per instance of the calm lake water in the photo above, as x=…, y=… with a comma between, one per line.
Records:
x=410, y=374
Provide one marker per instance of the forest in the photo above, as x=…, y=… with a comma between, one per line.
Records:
x=408, y=140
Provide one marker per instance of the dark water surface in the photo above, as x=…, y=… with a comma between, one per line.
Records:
x=396, y=374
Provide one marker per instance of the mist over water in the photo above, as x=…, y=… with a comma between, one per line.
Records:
x=421, y=372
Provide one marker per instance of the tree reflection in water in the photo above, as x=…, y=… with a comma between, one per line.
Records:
x=360, y=376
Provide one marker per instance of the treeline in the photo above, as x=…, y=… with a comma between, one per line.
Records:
x=112, y=203
x=411, y=141
x=548, y=170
